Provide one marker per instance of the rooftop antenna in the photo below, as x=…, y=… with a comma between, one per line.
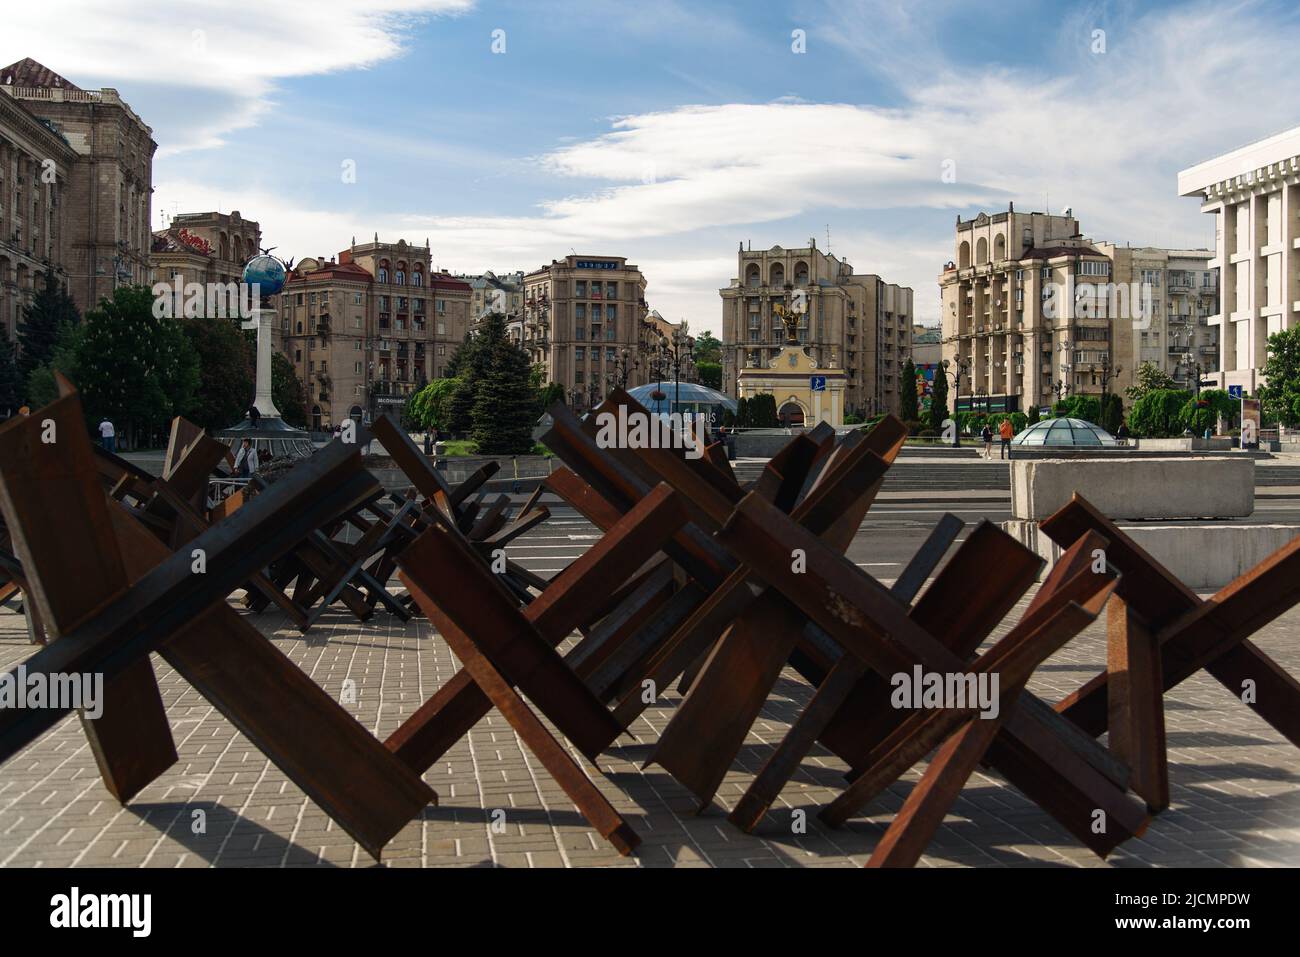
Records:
x=828, y=239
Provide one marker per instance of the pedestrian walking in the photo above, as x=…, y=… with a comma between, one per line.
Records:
x=1006, y=431
x=107, y=435
x=246, y=459
x=254, y=416
x=987, y=435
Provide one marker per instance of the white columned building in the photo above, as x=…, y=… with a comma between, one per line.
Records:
x=1254, y=193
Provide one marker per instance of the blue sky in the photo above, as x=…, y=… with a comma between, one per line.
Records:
x=670, y=131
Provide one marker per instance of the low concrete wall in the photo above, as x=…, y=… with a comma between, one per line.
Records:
x=1190, y=444
x=1203, y=557
x=1136, y=488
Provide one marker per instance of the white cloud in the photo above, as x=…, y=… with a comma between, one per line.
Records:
x=1104, y=134
x=224, y=58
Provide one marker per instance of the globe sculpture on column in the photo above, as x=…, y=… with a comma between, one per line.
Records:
x=269, y=432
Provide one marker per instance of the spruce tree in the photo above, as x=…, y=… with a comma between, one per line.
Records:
x=505, y=403
x=11, y=387
x=939, y=399
x=50, y=307
x=907, y=393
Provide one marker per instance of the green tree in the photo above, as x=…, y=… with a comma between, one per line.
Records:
x=505, y=403
x=1159, y=413
x=742, y=413
x=430, y=408
x=710, y=374
x=1149, y=378
x=1282, y=375
x=762, y=411
x=551, y=393
x=41, y=389
x=707, y=349
x=134, y=368
x=11, y=386
x=287, y=392
x=226, y=371
x=1086, y=407
x=939, y=399
x=37, y=332
x=1112, y=412
x=1032, y=415
x=907, y=393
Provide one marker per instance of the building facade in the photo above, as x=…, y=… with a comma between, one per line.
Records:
x=855, y=322
x=1011, y=326
x=101, y=238
x=1173, y=333
x=204, y=248
x=368, y=329
x=580, y=314
x=1254, y=194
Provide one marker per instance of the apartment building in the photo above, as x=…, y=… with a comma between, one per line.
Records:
x=580, y=313
x=367, y=330
x=1010, y=319
x=1179, y=293
x=76, y=180
x=855, y=322
x=1254, y=194
x=493, y=293
x=204, y=248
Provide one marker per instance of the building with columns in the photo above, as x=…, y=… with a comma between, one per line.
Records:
x=101, y=238
x=1254, y=194
x=76, y=180
x=854, y=322
x=1009, y=321
x=204, y=248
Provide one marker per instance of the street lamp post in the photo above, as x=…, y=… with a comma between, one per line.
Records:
x=1195, y=369
x=961, y=369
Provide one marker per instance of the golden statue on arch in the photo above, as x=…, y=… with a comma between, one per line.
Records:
x=790, y=319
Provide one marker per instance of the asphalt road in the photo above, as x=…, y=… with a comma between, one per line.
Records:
x=885, y=542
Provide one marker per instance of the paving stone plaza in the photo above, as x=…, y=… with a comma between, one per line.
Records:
x=1234, y=783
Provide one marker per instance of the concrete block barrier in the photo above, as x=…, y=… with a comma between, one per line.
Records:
x=1147, y=488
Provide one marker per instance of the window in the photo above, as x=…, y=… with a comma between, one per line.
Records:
x=580, y=310
x=442, y=328
x=311, y=366
x=611, y=332
x=356, y=322
x=356, y=345
x=297, y=355
x=611, y=290
x=609, y=354
x=580, y=288
x=440, y=305
x=577, y=377
x=580, y=332
x=442, y=349
x=401, y=323
x=383, y=274
x=579, y=354
x=611, y=312
x=417, y=278
x=356, y=299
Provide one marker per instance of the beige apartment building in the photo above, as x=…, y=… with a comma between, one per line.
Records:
x=76, y=180
x=1010, y=319
x=1254, y=194
x=855, y=322
x=1173, y=333
x=204, y=248
x=367, y=330
x=497, y=293
x=580, y=313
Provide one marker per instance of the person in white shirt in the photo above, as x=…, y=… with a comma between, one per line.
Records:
x=107, y=435
x=246, y=459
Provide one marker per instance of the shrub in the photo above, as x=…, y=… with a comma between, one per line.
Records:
x=1158, y=414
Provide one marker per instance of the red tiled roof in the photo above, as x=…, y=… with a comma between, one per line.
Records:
x=349, y=271
x=27, y=72
x=440, y=280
